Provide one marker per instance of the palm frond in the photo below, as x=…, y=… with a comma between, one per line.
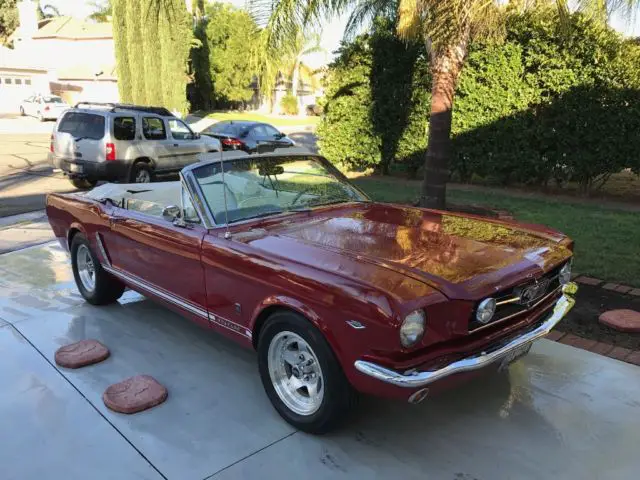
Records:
x=365, y=11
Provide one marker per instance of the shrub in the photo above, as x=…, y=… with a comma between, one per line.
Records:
x=289, y=104
x=544, y=104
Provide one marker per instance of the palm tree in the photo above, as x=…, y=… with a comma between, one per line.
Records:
x=102, y=10
x=303, y=45
x=445, y=26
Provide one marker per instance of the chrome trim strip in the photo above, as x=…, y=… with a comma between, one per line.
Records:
x=504, y=319
x=157, y=291
x=511, y=300
x=420, y=379
x=179, y=301
x=197, y=198
x=103, y=252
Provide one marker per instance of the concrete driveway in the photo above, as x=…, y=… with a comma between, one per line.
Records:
x=558, y=413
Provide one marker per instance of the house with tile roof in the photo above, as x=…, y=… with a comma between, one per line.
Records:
x=62, y=55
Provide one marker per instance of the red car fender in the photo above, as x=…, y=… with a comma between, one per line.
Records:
x=303, y=309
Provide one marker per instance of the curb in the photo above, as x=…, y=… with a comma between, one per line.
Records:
x=601, y=348
x=614, y=287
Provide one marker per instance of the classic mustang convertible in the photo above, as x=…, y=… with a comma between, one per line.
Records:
x=338, y=294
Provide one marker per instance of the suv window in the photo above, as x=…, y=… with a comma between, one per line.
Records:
x=153, y=128
x=124, y=128
x=85, y=125
x=179, y=130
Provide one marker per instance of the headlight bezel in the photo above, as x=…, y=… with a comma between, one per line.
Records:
x=413, y=328
x=488, y=305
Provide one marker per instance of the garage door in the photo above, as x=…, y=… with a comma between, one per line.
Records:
x=14, y=89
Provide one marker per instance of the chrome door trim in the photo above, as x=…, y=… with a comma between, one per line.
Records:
x=172, y=298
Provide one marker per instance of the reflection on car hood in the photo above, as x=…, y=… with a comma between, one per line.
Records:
x=461, y=255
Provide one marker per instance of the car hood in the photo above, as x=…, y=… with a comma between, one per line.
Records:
x=463, y=256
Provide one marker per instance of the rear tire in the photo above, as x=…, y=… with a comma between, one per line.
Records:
x=141, y=173
x=96, y=285
x=83, y=183
x=310, y=361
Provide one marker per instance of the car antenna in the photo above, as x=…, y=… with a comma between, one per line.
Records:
x=227, y=233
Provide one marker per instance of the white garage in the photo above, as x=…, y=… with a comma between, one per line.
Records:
x=18, y=82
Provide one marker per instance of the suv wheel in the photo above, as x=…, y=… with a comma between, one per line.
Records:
x=141, y=173
x=83, y=183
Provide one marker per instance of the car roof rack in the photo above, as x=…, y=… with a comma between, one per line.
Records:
x=126, y=106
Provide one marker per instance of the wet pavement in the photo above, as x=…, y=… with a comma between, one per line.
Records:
x=558, y=413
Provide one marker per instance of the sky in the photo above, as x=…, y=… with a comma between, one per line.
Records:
x=332, y=30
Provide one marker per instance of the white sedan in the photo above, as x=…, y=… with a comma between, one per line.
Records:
x=43, y=107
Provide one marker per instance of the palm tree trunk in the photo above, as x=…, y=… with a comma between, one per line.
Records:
x=295, y=75
x=446, y=65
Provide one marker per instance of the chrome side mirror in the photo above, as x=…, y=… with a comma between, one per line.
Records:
x=171, y=213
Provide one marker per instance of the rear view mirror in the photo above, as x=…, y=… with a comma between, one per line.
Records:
x=170, y=213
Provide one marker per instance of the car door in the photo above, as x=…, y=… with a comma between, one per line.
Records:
x=157, y=145
x=162, y=258
x=185, y=146
x=268, y=138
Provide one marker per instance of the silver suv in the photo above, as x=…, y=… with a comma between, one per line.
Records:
x=128, y=143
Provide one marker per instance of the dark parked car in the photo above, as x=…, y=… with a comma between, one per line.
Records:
x=248, y=136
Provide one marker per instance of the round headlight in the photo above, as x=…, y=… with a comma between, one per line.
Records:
x=565, y=274
x=486, y=309
x=412, y=328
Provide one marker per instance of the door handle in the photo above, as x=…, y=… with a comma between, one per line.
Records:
x=176, y=145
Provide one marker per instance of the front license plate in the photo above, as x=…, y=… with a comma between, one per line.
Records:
x=514, y=355
x=75, y=168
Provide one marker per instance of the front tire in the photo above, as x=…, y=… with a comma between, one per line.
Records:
x=21, y=112
x=301, y=375
x=94, y=283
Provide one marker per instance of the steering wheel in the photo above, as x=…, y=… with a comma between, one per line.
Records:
x=299, y=195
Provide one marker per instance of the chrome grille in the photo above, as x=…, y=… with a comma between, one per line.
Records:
x=521, y=298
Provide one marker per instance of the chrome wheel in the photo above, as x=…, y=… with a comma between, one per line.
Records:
x=143, y=176
x=295, y=373
x=86, y=268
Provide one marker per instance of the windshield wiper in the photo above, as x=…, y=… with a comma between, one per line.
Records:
x=259, y=215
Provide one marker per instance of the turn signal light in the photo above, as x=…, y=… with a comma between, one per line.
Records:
x=51, y=143
x=110, y=151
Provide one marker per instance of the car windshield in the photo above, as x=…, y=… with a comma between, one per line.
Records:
x=261, y=186
x=52, y=99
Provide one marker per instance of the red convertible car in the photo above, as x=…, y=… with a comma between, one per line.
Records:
x=338, y=294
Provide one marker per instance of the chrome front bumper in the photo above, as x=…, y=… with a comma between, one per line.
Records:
x=475, y=362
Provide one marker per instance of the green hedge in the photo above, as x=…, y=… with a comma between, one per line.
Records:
x=544, y=104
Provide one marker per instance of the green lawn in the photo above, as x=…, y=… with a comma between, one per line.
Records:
x=275, y=120
x=607, y=240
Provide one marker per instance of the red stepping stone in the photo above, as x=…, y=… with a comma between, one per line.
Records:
x=80, y=354
x=623, y=320
x=134, y=394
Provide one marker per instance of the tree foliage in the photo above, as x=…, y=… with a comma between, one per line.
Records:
x=8, y=19
x=229, y=37
x=546, y=104
x=153, y=40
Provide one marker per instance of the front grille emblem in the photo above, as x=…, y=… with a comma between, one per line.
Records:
x=532, y=292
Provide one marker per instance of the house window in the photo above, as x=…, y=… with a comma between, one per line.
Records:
x=7, y=81
x=18, y=81
x=27, y=81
